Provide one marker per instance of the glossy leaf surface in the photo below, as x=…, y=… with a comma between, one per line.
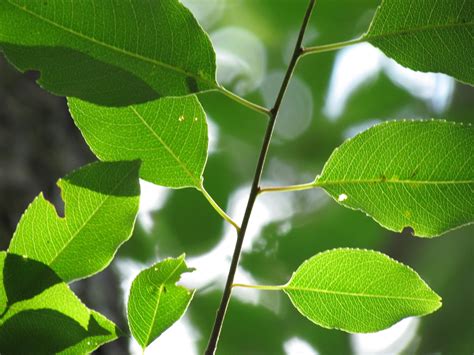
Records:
x=416, y=174
x=358, y=291
x=155, y=301
x=168, y=135
x=109, y=52
x=101, y=204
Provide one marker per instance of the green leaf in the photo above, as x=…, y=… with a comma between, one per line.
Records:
x=155, y=301
x=428, y=36
x=101, y=204
x=416, y=174
x=168, y=135
x=109, y=52
x=49, y=318
x=358, y=291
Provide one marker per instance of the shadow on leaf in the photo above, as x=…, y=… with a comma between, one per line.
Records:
x=99, y=175
x=85, y=77
x=25, y=278
x=44, y=330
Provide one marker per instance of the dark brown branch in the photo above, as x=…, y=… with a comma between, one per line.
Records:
x=214, y=338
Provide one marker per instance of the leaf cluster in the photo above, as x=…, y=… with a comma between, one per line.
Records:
x=131, y=72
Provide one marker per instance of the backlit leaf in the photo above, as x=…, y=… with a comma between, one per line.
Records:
x=101, y=204
x=109, y=52
x=358, y=291
x=155, y=301
x=417, y=174
x=50, y=318
x=168, y=135
x=428, y=36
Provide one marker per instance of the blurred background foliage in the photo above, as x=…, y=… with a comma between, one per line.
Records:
x=331, y=97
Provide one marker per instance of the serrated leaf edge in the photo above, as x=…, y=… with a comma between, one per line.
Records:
x=286, y=286
x=320, y=183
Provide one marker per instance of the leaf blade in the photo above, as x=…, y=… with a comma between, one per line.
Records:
x=168, y=135
x=413, y=174
x=147, y=59
x=101, y=204
x=50, y=320
x=155, y=302
x=358, y=291
x=429, y=37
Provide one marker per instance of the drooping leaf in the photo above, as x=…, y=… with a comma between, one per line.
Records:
x=50, y=319
x=101, y=204
x=358, y=291
x=155, y=301
x=109, y=52
x=168, y=135
x=428, y=36
x=416, y=174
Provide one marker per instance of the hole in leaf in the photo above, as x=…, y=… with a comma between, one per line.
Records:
x=53, y=195
x=408, y=231
x=33, y=75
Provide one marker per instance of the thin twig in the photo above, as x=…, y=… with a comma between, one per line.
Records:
x=243, y=101
x=214, y=338
x=219, y=209
x=331, y=47
x=299, y=187
x=261, y=287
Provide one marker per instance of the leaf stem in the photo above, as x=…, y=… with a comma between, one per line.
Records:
x=243, y=101
x=261, y=287
x=273, y=114
x=218, y=208
x=331, y=47
x=299, y=187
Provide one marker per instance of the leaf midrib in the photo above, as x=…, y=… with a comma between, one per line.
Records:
x=356, y=294
x=323, y=183
x=85, y=223
x=113, y=48
x=368, y=36
x=159, y=298
x=168, y=149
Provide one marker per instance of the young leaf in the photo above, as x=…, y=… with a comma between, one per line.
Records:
x=155, y=301
x=101, y=204
x=429, y=36
x=358, y=291
x=50, y=319
x=416, y=174
x=168, y=135
x=111, y=53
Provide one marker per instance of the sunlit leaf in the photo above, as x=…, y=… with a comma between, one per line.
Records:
x=155, y=301
x=168, y=135
x=50, y=319
x=358, y=291
x=111, y=53
x=416, y=174
x=101, y=204
x=429, y=36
